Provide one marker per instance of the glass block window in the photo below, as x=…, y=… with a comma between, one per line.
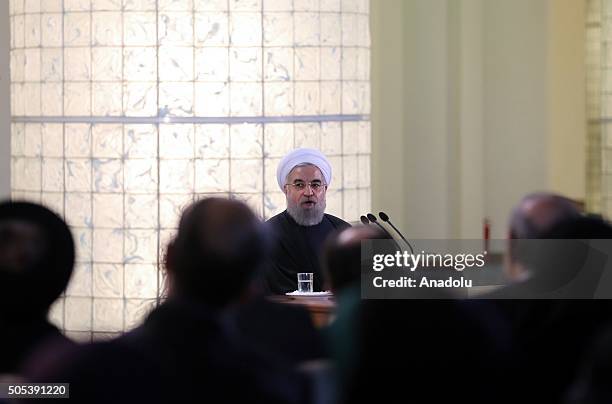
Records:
x=125, y=111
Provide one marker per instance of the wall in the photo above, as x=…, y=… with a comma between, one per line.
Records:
x=567, y=97
x=515, y=113
x=518, y=83
x=5, y=114
x=428, y=118
x=388, y=160
x=471, y=131
x=492, y=108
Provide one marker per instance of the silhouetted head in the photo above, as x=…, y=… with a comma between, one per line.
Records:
x=36, y=257
x=537, y=213
x=342, y=254
x=218, y=249
x=533, y=218
x=562, y=253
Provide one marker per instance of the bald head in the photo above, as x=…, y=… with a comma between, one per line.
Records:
x=534, y=218
x=536, y=214
x=342, y=254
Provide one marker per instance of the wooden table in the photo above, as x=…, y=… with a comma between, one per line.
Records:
x=321, y=308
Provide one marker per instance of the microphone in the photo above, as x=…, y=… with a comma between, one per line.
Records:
x=372, y=219
x=364, y=220
x=385, y=218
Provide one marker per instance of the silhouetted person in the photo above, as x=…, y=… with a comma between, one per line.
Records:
x=565, y=330
x=184, y=352
x=528, y=257
x=342, y=255
x=392, y=351
x=427, y=351
x=283, y=331
x=549, y=269
x=36, y=261
x=342, y=263
x=592, y=385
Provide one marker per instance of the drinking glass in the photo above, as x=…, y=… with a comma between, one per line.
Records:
x=305, y=282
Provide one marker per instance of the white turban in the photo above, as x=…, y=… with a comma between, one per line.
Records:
x=301, y=156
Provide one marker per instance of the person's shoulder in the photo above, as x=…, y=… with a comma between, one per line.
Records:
x=277, y=219
x=337, y=222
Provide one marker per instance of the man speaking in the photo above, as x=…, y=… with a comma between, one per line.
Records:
x=299, y=231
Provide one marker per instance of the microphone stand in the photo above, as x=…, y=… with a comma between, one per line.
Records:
x=385, y=218
x=373, y=219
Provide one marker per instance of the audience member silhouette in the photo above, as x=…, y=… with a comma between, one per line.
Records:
x=533, y=218
x=205, y=344
x=342, y=265
x=183, y=352
x=283, y=331
x=549, y=305
x=428, y=351
x=592, y=385
x=392, y=351
x=36, y=261
x=342, y=258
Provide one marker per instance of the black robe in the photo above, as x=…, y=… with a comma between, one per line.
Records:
x=297, y=249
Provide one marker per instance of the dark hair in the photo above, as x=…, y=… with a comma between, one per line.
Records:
x=39, y=279
x=219, y=247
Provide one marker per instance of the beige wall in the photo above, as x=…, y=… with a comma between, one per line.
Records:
x=387, y=27
x=515, y=113
x=471, y=125
x=428, y=118
x=492, y=108
x=567, y=97
x=5, y=114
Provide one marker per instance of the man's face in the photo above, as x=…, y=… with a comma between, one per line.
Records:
x=305, y=192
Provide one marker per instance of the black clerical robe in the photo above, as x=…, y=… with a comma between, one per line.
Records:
x=297, y=249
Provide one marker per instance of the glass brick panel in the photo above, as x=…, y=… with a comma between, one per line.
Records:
x=53, y=140
x=126, y=111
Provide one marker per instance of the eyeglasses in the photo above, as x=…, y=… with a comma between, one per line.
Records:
x=301, y=186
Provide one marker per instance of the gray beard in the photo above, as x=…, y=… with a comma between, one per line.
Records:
x=307, y=217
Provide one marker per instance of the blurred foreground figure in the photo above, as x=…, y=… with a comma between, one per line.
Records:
x=592, y=385
x=392, y=351
x=341, y=262
x=183, y=352
x=342, y=256
x=36, y=261
x=549, y=302
x=428, y=351
x=533, y=218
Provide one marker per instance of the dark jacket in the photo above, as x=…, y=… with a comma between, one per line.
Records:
x=297, y=249
x=182, y=353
